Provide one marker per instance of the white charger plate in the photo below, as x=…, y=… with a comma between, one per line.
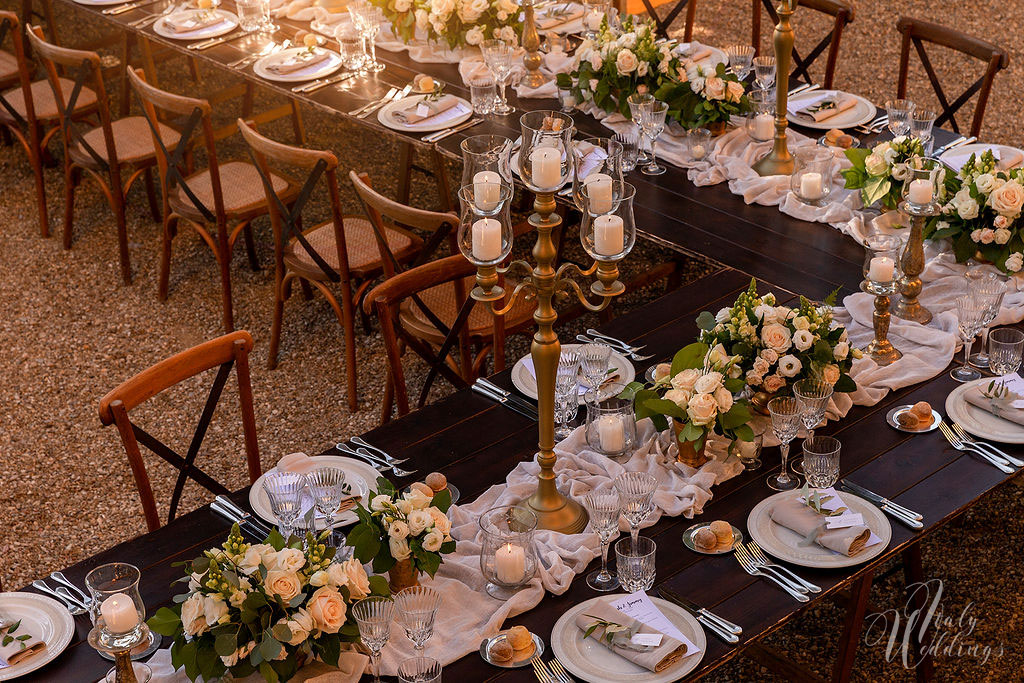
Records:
x=574, y=26
x=862, y=112
x=309, y=73
x=980, y=422
x=445, y=120
x=527, y=383
x=98, y=3
x=357, y=474
x=227, y=25
x=587, y=659
x=717, y=56
x=784, y=544
x=977, y=148
x=44, y=618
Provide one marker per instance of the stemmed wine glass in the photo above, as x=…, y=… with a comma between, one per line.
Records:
x=499, y=57
x=367, y=19
x=740, y=57
x=990, y=288
x=636, y=491
x=416, y=608
x=284, y=489
x=764, y=71
x=594, y=362
x=652, y=123
x=327, y=484
x=812, y=395
x=567, y=381
x=637, y=102
x=786, y=415
x=970, y=313
x=899, y=112
x=604, y=510
x=373, y=616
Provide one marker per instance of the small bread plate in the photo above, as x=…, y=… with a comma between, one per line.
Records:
x=227, y=24
x=357, y=477
x=42, y=617
x=978, y=422
x=324, y=67
x=891, y=416
x=720, y=549
x=824, y=143
x=518, y=660
x=526, y=383
x=462, y=111
x=451, y=489
x=861, y=112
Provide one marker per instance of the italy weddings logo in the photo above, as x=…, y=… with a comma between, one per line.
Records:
x=950, y=633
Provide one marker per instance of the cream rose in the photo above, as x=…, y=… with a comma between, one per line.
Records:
x=841, y=351
x=734, y=91
x=830, y=374
x=1007, y=199
x=803, y=340
x=724, y=399
x=680, y=397
x=441, y=521
x=398, y=530
x=419, y=520
x=418, y=499
x=380, y=503
x=474, y=36
x=470, y=10
x=350, y=574
x=301, y=625
x=399, y=548
x=769, y=355
x=801, y=322
x=433, y=540
x=761, y=366
x=193, y=615
x=790, y=366
x=702, y=409
x=319, y=578
x=1014, y=262
x=260, y=553
x=773, y=383
x=626, y=62
x=284, y=584
x=875, y=165
x=753, y=379
x=215, y=608
x=776, y=337
x=685, y=379
x=327, y=608
x=289, y=560
x=714, y=88
x=707, y=384
x=985, y=182
x=765, y=313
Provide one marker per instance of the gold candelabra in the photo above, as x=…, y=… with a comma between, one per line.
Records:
x=779, y=161
x=881, y=349
x=912, y=264
x=124, y=670
x=531, y=43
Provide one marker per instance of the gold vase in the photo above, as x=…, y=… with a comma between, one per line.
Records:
x=759, y=401
x=403, y=575
x=718, y=128
x=687, y=454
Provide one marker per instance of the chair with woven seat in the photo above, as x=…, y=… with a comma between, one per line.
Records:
x=224, y=353
x=102, y=152
x=226, y=195
x=341, y=250
x=919, y=32
x=841, y=13
x=662, y=24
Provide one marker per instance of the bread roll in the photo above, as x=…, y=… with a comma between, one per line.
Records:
x=519, y=638
x=922, y=409
x=420, y=487
x=501, y=651
x=705, y=539
x=908, y=420
x=436, y=481
x=722, y=531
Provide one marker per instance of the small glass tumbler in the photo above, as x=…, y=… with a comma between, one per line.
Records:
x=698, y=143
x=761, y=118
x=250, y=14
x=507, y=556
x=611, y=425
x=566, y=99
x=635, y=563
x=483, y=93
x=811, y=181
x=748, y=452
x=821, y=461
x=899, y=112
x=630, y=142
x=1004, y=350
x=350, y=46
x=419, y=670
x=921, y=123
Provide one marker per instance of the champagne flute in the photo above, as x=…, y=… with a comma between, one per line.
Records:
x=498, y=55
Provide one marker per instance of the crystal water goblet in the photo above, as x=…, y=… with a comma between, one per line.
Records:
x=1005, y=346
x=813, y=396
x=634, y=561
x=899, y=112
x=284, y=489
x=327, y=484
x=921, y=123
x=373, y=616
x=991, y=288
x=764, y=71
x=740, y=58
x=594, y=362
x=821, y=461
x=652, y=122
x=567, y=381
x=636, y=491
x=786, y=416
x=604, y=510
x=499, y=57
x=970, y=313
x=367, y=18
x=416, y=608
x=637, y=102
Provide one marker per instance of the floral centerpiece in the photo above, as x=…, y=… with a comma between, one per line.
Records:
x=879, y=173
x=264, y=608
x=708, y=99
x=403, y=535
x=696, y=392
x=777, y=345
x=982, y=216
x=456, y=23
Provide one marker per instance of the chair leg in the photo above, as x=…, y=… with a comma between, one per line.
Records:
x=855, y=611
x=298, y=127
x=165, y=257
x=404, y=163
x=307, y=292
x=275, y=327
x=250, y=248
x=122, y=236
x=224, y=260
x=913, y=573
x=71, y=176
x=154, y=203
x=37, y=171
x=388, y=401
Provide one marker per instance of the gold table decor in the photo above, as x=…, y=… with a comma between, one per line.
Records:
x=919, y=192
x=531, y=43
x=881, y=274
x=779, y=161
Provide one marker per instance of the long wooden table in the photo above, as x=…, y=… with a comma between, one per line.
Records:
x=476, y=443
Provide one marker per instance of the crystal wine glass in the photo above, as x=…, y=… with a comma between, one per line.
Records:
x=367, y=19
x=419, y=670
x=821, y=461
x=284, y=489
x=327, y=484
x=594, y=361
x=813, y=396
x=499, y=57
x=989, y=287
x=567, y=381
x=921, y=123
x=373, y=616
x=786, y=415
x=604, y=510
x=416, y=607
x=740, y=57
x=1004, y=347
x=652, y=122
x=637, y=102
x=764, y=71
x=899, y=112
x=636, y=491
x=970, y=313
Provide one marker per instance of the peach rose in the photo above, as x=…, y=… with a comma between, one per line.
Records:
x=702, y=409
x=773, y=383
x=1007, y=199
x=830, y=374
x=776, y=337
x=350, y=574
x=714, y=88
x=282, y=583
x=327, y=607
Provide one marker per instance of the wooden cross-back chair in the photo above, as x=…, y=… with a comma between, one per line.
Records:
x=223, y=353
x=918, y=32
x=662, y=25
x=339, y=251
x=841, y=13
x=226, y=195
x=101, y=152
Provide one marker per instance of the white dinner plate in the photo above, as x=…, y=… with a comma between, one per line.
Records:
x=587, y=659
x=227, y=25
x=574, y=26
x=980, y=422
x=862, y=112
x=44, y=618
x=785, y=544
x=459, y=113
x=357, y=474
x=527, y=383
x=955, y=158
x=98, y=3
x=318, y=70
x=712, y=61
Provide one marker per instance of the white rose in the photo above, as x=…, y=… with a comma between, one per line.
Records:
x=433, y=540
x=442, y=8
x=734, y=91
x=441, y=521
x=327, y=608
x=239, y=654
x=470, y=10
x=773, y=383
x=1008, y=199
x=801, y=323
x=380, y=502
x=714, y=88
x=403, y=506
x=215, y=609
x=702, y=409
x=696, y=84
x=964, y=204
x=193, y=615
x=399, y=548
x=300, y=624
x=289, y=560
x=685, y=379
x=841, y=351
x=985, y=183
x=707, y=384
x=255, y=555
x=1002, y=236
x=901, y=172
x=680, y=397
x=724, y=399
x=783, y=313
x=474, y=36
x=790, y=366
x=830, y=374
x=419, y=520
x=319, y=578
x=284, y=584
x=1014, y=262
x=626, y=62
x=803, y=340
x=765, y=312
x=723, y=316
x=776, y=337
x=398, y=530
x=875, y=165
x=418, y=499
x=770, y=355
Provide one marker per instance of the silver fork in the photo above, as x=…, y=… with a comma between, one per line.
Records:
x=71, y=603
x=749, y=567
x=366, y=455
x=961, y=446
x=270, y=49
x=384, y=454
x=632, y=354
x=394, y=98
x=612, y=340
x=60, y=578
x=757, y=554
x=559, y=670
x=540, y=670
x=967, y=438
x=882, y=120
x=756, y=564
x=359, y=110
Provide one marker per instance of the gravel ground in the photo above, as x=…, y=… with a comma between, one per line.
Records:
x=70, y=331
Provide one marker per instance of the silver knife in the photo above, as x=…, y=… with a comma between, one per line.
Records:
x=441, y=135
x=505, y=393
x=710, y=624
x=948, y=145
x=229, y=505
x=322, y=83
x=854, y=488
x=503, y=400
x=899, y=513
x=806, y=87
x=121, y=9
x=401, y=94
x=204, y=44
x=359, y=110
x=698, y=610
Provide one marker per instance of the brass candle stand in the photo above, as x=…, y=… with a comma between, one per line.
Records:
x=881, y=349
x=779, y=161
x=912, y=264
x=531, y=43
x=124, y=670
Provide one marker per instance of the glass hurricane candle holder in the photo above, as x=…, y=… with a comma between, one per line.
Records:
x=761, y=119
x=119, y=618
x=485, y=230
x=811, y=181
x=598, y=161
x=611, y=425
x=486, y=154
x=507, y=556
x=545, y=153
x=698, y=143
x=608, y=230
x=594, y=13
x=881, y=247
x=883, y=272
x=925, y=185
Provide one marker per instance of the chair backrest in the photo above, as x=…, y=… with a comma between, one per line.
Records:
x=83, y=66
x=223, y=353
x=918, y=32
x=662, y=24
x=160, y=105
x=10, y=26
x=841, y=13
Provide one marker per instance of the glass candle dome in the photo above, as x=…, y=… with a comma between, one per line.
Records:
x=485, y=229
x=486, y=154
x=545, y=153
x=608, y=230
x=597, y=160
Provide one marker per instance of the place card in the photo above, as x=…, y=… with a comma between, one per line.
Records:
x=844, y=521
x=836, y=502
x=647, y=639
x=640, y=607
x=1015, y=383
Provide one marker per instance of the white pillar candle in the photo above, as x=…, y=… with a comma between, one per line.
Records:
x=608, y=235
x=486, y=190
x=510, y=564
x=764, y=126
x=881, y=269
x=920, y=191
x=810, y=185
x=546, y=166
x=119, y=613
x=611, y=433
x=487, y=240
x=599, y=189
x=698, y=151
x=593, y=19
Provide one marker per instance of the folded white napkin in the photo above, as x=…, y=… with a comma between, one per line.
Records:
x=18, y=644
x=193, y=20
x=297, y=61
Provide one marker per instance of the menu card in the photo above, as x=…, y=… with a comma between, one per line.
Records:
x=640, y=607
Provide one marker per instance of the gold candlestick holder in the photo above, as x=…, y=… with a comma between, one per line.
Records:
x=779, y=161
x=881, y=349
x=124, y=670
x=531, y=43
x=912, y=264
